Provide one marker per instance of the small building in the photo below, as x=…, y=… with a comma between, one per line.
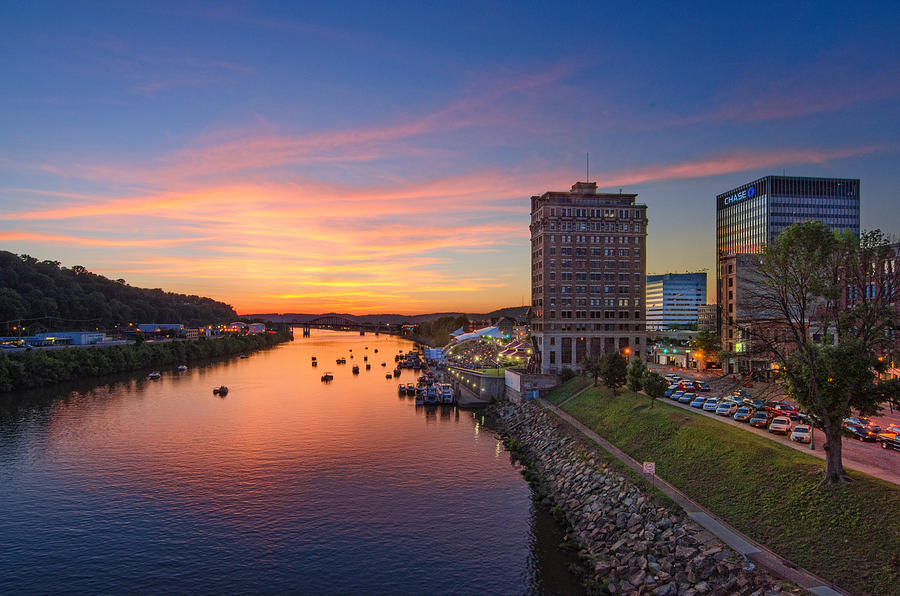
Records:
x=159, y=327
x=235, y=327
x=256, y=328
x=193, y=332
x=68, y=338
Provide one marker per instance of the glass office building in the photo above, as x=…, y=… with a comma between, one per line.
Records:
x=749, y=216
x=754, y=214
x=673, y=300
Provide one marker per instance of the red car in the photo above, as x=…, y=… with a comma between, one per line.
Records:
x=782, y=409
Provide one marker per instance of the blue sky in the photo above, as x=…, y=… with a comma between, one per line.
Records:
x=380, y=157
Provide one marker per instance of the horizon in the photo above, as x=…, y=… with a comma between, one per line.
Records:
x=362, y=161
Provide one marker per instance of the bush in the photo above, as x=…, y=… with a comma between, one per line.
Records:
x=566, y=373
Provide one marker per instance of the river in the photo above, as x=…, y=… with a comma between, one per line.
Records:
x=287, y=484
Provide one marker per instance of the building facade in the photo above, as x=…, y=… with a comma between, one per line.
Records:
x=708, y=317
x=673, y=300
x=588, y=269
x=754, y=214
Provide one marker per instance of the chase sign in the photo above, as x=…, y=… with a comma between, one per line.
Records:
x=747, y=193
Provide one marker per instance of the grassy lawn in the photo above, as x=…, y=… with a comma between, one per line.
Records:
x=562, y=392
x=848, y=534
x=493, y=372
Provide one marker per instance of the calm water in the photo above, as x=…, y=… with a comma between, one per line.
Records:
x=285, y=485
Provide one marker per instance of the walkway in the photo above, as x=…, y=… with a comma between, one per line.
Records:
x=754, y=552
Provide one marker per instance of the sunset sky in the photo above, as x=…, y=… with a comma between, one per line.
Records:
x=380, y=157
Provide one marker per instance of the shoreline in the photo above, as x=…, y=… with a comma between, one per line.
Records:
x=629, y=537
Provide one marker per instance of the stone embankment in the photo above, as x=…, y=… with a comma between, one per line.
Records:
x=630, y=541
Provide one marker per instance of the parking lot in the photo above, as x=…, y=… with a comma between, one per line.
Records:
x=864, y=457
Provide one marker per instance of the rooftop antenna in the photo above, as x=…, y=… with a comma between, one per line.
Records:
x=587, y=171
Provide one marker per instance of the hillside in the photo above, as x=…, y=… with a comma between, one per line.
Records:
x=516, y=312
x=43, y=296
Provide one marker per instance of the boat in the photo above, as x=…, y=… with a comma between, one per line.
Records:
x=368, y=366
x=244, y=356
x=355, y=370
x=410, y=389
x=154, y=375
x=327, y=377
x=181, y=367
x=376, y=349
x=431, y=395
x=314, y=363
x=401, y=389
x=384, y=364
x=446, y=393
x=313, y=357
x=396, y=372
x=221, y=391
x=388, y=376
x=365, y=358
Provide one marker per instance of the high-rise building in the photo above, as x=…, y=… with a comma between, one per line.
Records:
x=754, y=214
x=673, y=300
x=588, y=267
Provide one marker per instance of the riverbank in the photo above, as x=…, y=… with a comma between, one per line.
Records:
x=632, y=538
x=40, y=368
x=845, y=534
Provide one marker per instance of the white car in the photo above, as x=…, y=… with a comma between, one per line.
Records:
x=801, y=434
x=711, y=404
x=780, y=425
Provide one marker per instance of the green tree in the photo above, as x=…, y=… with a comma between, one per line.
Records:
x=635, y=375
x=613, y=367
x=826, y=348
x=709, y=345
x=591, y=367
x=654, y=386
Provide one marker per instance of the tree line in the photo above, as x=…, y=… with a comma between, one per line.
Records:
x=38, y=368
x=45, y=294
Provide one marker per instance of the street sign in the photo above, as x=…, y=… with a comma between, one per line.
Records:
x=649, y=467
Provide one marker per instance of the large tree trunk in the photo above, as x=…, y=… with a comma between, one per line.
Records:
x=834, y=464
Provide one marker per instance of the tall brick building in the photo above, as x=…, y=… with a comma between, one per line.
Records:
x=588, y=273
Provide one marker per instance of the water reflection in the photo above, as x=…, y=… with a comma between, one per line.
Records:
x=286, y=484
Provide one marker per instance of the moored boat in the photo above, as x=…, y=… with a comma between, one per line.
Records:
x=181, y=367
x=154, y=375
x=355, y=370
x=327, y=377
x=221, y=391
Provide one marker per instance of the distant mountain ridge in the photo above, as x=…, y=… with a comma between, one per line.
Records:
x=515, y=312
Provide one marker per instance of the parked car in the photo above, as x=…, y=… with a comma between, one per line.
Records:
x=726, y=407
x=687, y=398
x=801, y=434
x=865, y=422
x=890, y=441
x=697, y=402
x=743, y=414
x=711, y=404
x=862, y=433
x=759, y=419
x=670, y=390
x=756, y=404
x=780, y=425
x=702, y=385
x=892, y=429
x=677, y=395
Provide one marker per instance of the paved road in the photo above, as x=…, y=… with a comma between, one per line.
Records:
x=863, y=457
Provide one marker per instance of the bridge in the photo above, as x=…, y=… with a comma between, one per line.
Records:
x=339, y=323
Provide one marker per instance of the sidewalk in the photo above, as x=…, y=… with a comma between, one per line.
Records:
x=754, y=552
